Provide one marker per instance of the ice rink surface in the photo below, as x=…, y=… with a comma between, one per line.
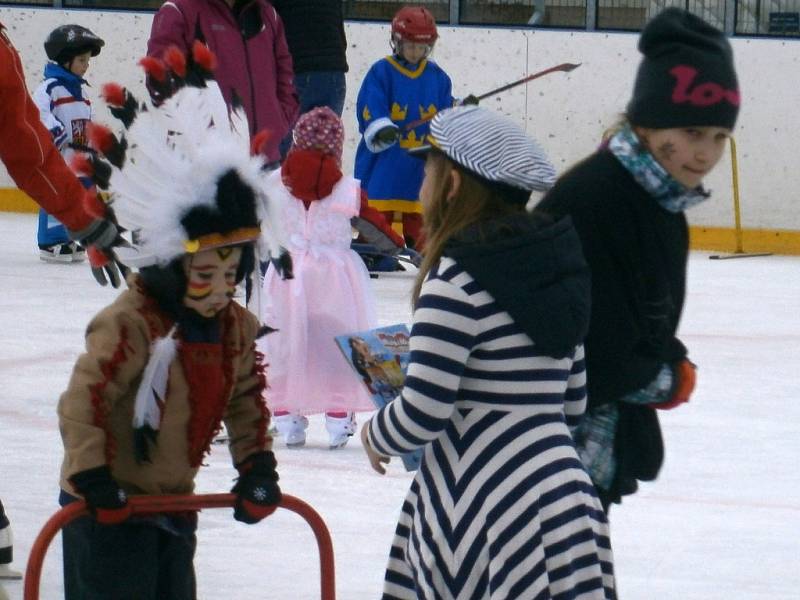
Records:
x=722, y=522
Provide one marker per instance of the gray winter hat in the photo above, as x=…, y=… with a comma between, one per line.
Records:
x=491, y=146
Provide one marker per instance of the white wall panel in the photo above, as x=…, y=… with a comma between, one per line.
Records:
x=566, y=113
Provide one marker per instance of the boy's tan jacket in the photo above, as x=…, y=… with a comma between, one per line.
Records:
x=96, y=411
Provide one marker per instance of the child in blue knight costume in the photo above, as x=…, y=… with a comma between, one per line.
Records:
x=398, y=91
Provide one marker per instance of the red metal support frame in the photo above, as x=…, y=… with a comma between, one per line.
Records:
x=160, y=504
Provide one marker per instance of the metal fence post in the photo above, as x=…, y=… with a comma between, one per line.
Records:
x=455, y=12
x=730, y=17
x=591, y=15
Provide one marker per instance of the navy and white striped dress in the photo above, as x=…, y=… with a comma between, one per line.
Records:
x=501, y=506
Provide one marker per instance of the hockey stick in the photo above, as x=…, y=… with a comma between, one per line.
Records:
x=406, y=255
x=563, y=67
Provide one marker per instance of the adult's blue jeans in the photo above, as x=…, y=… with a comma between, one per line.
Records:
x=318, y=88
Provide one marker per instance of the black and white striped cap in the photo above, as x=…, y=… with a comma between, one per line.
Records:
x=491, y=146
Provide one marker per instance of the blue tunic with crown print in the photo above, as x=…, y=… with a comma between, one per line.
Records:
x=396, y=92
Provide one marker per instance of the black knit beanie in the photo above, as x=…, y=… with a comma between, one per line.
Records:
x=687, y=77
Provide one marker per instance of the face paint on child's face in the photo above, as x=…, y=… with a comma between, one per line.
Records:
x=687, y=153
x=211, y=279
x=80, y=64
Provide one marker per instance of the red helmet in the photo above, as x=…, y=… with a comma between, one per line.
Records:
x=414, y=24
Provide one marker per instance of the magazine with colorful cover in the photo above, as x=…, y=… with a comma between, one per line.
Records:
x=379, y=358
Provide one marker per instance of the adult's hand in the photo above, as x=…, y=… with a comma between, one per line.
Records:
x=100, y=238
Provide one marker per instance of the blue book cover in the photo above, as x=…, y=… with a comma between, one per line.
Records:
x=379, y=358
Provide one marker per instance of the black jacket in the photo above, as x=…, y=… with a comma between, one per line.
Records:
x=315, y=33
x=637, y=253
x=535, y=271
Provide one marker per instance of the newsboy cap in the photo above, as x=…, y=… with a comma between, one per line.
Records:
x=491, y=146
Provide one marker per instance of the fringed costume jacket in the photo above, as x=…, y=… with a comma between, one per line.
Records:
x=210, y=381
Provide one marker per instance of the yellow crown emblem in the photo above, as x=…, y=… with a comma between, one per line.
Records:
x=427, y=114
x=411, y=141
x=398, y=114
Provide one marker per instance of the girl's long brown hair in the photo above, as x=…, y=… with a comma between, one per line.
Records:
x=443, y=217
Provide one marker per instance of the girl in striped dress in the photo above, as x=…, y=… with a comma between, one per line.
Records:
x=501, y=506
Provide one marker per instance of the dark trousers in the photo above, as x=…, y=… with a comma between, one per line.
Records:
x=141, y=559
x=318, y=88
x=321, y=88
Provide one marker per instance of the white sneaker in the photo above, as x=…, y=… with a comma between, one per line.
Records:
x=292, y=428
x=6, y=572
x=340, y=430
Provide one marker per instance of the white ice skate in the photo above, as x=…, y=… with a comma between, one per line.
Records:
x=57, y=253
x=292, y=428
x=78, y=253
x=340, y=429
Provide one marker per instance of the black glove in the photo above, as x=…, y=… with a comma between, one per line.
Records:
x=99, y=239
x=472, y=99
x=388, y=135
x=104, y=498
x=257, y=491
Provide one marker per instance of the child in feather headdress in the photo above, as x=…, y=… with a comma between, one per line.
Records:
x=172, y=357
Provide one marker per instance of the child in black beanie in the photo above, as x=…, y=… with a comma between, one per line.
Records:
x=627, y=202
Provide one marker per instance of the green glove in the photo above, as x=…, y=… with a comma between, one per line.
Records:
x=388, y=135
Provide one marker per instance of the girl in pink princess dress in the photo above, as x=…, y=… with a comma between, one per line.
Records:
x=330, y=294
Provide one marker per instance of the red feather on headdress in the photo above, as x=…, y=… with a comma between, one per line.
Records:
x=176, y=60
x=203, y=56
x=113, y=94
x=154, y=68
x=82, y=165
x=101, y=137
x=258, y=141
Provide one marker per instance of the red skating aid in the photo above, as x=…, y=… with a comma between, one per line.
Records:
x=113, y=94
x=176, y=60
x=203, y=56
x=154, y=68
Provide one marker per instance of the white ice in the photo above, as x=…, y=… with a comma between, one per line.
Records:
x=721, y=522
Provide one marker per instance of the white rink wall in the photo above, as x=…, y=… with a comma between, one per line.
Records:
x=566, y=113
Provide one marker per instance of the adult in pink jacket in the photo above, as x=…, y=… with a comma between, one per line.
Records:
x=254, y=63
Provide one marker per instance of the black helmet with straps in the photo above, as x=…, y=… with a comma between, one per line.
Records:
x=67, y=41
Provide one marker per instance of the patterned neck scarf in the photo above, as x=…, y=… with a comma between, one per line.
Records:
x=670, y=194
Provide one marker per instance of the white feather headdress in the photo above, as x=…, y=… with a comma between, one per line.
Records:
x=182, y=178
x=166, y=169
